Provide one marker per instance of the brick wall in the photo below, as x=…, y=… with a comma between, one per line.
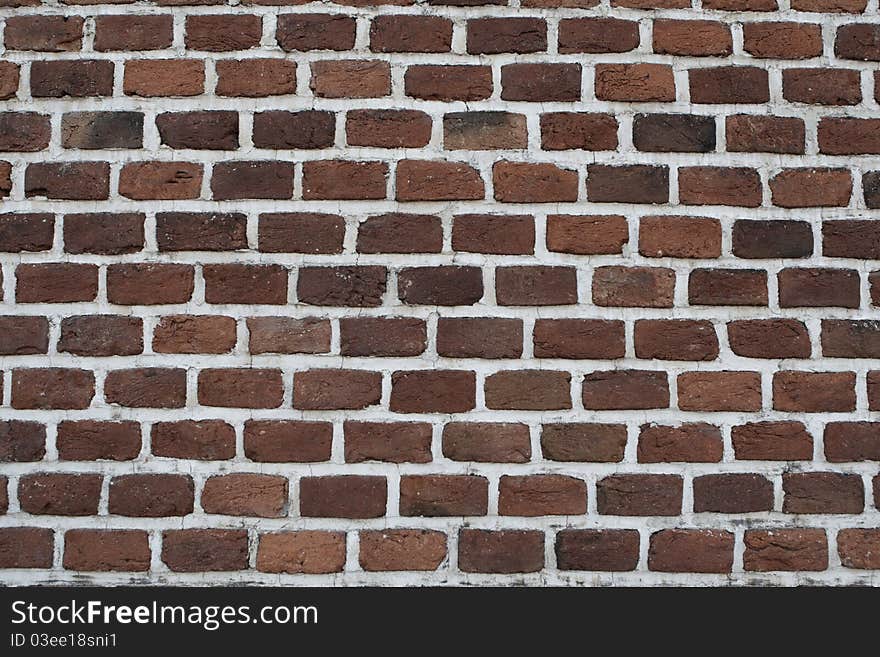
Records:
x=552, y=291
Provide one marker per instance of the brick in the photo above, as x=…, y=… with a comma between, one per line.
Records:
x=97, y=550
x=26, y=547
x=440, y=286
x=59, y=494
x=72, y=78
x=102, y=130
x=688, y=443
x=778, y=238
x=822, y=86
x=847, y=442
x=504, y=551
x=194, y=334
x=287, y=441
x=239, y=387
x=597, y=35
x=850, y=239
x=205, y=440
x=727, y=287
x=719, y=391
x=351, y=79
x=541, y=82
x=635, y=83
x=578, y=130
x=579, y=338
x=521, y=182
x=772, y=441
x=859, y=41
x=245, y=494
x=419, y=180
x=443, y=495
x=343, y=180
x=357, y=286
x=458, y=82
x=95, y=440
x=691, y=551
x=636, y=183
x=834, y=6
x=850, y=338
x=150, y=387
x=104, y=233
x=495, y=234
x=486, y=442
x=737, y=186
x=24, y=132
x=333, y=389
x=388, y=128
x=164, y=77
x=342, y=496
x=71, y=181
x=729, y=84
x=223, y=32
x=26, y=232
x=537, y=285
x=765, y=134
x=608, y=550
x=410, y=34
x=298, y=32
x=165, y=181
x=583, y=442
x=490, y=36
x=432, y=391
x=484, y=131
x=814, y=392
x=306, y=129
x=769, y=338
x=200, y=550
x=675, y=339
x=732, y=493
x=848, y=136
x=304, y=551
x=367, y=336
x=650, y=287
x=215, y=130
x=401, y=549
x=679, y=237
x=255, y=78
x=250, y=284
x=822, y=492
x=9, y=79
x=22, y=441
x=541, y=495
x=780, y=40
x=532, y=390
x=44, y=33
x=467, y=337
x=400, y=233
x=151, y=495
x=818, y=287
x=692, y=38
x=148, y=283
x=22, y=335
x=102, y=335
x=639, y=495
x=684, y=133
x=625, y=389
x=128, y=32
x=257, y=180
x=55, y=283
x=286, y=335
x=201, y=231
x=388, y=442
x=859, y=548
x=52, y=388
x=587, y=234
x=301, y=232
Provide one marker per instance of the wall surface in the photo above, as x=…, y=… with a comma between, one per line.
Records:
x=554, y=291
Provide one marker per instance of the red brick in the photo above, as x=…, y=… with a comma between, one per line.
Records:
x=541, y=82
x=102, y=335
x=149, y=283
x=727, y=287
x=69, y=181
x=639, y=495
x=74, y=78
x=194, y=334
x=255, y=78
x=24, y=132
x=440, y=286
x=298, y=32
x=401, y=549
x=822, y=492
x=625, y=389
x=443, y=495
x=419, y=180
x=204, y=440
x=609, y=550
x=342, y=180
x=809, y=188
x=692, y=38
x=460, y=82
x=342, y=496
x=151, y=495
x=389, y=442
x=635, y=183
x=59, y=494
x=814, y=392
x=286, y=335
x=287, y=441
x=688, y=443
x=765, y=134
x=375, y=336
x=818, y=287
x=779, y=40
x=859, y=548
x=486, y=442
x=129, y=32
x=164, y=77
x=335, y=389
x=648, y=287
x=432, y=391
x=252, y=180
x=23, y=335
x=537, y=285
x=93, y=440
x=198, y=550
x=504, y=551
x=246, y=284
x=822, y=86
x=484, y=131
x=579, y=338
x=98, y=550
x=541, y=495
x=223, y=32
x=104, y=233
x=597, y=35
x=530, y=390
x=526, y=182
x=777, y=238
x=587, y=234
x=635, y=83
x=770, y=338
x=772, y=441
x=732, y=493
x=351, y=79
x=387, y=128
x=307, y=129
x=729, y=84
x=52, y=388
x=737, y=186
x=691, y=551
x=245, y=494
x=356, y=286
x=44, y=33
x=150, y=387
x=847, y=442
x=495, y=234
x=400, y=233
x=304, y=551
x=675, y=339
x=719, y=391
x=164, y=181
x=858, y=41
x=301, y=232
x=479, y=337
x=26, y=547
x=22, y=441
x=679, y=237
x=490, y=36
x=241, y=388
x=410, y=34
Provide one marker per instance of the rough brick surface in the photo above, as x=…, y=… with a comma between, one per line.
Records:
x=446, y=292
